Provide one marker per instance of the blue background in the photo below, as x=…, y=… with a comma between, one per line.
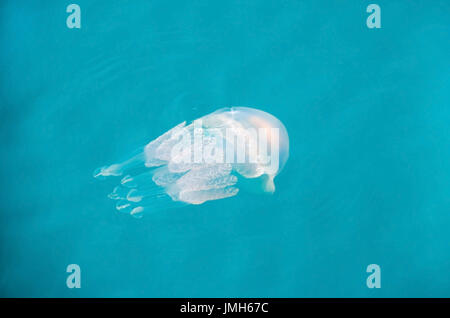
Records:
x=367, y=111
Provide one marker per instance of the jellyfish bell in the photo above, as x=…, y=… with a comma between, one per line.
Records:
x=261, y=121
x=214, y=157
x=259, y=178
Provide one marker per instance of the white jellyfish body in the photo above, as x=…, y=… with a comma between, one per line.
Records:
x=211, y=158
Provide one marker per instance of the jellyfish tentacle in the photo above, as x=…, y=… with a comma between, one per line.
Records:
x=150, y=203
x=118, y=169
x=158, y=151
x=210, y=182
x=201, y=196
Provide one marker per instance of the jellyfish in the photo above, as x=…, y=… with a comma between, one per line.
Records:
x=213, y=157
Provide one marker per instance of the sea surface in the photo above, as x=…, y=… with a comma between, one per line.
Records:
x=367, y=181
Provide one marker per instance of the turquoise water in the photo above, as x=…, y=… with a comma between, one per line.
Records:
x=367, y=181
